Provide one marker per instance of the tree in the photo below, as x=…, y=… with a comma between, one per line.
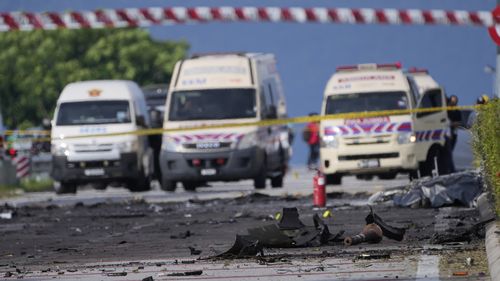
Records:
x=36, y=65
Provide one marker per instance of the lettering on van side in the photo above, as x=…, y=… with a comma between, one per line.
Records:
x=215, y=70
x=195, y=81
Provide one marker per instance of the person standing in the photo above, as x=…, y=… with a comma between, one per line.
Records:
x=455, y=118
x=311, y=137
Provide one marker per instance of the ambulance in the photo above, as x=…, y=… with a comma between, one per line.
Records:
x=423, y=79
x=100, y=107
x=383, y=144
x=214, y=90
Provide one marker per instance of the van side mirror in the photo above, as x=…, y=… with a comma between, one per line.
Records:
x=272, y=112
x=140, y=121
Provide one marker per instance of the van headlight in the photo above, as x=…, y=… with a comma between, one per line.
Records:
x=128, y=146
x=405, y=138
x=329, y=142
x=247, y=141
x=169, y=144
x=59, y=149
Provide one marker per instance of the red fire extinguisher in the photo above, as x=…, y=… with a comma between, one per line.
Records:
x=319, y=192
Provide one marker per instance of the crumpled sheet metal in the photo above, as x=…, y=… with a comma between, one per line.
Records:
x=289, y=232
x=463, y=187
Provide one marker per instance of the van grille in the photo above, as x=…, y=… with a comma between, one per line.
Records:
x=207, y=145
x=103, y=147
x=368, y=156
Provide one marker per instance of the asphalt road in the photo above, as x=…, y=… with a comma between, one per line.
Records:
x=118, y=235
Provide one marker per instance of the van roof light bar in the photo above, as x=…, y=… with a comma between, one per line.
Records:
x=414, y=70
x=368, y=66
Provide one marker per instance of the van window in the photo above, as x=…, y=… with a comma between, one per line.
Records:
x=432, y=99
x=93, y=112
x=212, y=104
x=364, y=102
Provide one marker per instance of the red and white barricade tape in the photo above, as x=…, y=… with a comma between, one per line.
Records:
x=143, y=17
x=22, y=164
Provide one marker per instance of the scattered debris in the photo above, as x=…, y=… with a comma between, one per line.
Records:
x=115, y=274
x=462, y=188
x=464, y=235
x=194, y=251
x=182, y=235
x=149, y=278
x=8, y=274
x=374, y=256
x=186, y=273
x=7, y=215
x=188, y=261
x=288, y=232
x=371, y=233
x=122, y=216
x=244, y=245
x=469, y=261
x=387, y=230
x=460, y=273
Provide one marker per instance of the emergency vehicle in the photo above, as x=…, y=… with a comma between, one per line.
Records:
x=100, y=107
x=385, y=144
x=213, y=90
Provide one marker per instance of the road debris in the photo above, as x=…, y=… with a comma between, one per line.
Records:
x=290, y=231
x=186, y=273
x=387, y=230
x=182, y=235
x=373, y=256
x=460, y=273
x=149, y=278
x=7, y=215
x=116, y=274
x=371, y=233
x=194, y=251
x=458, y=188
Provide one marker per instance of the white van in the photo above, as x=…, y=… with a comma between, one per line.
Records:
x=211, y=90
x=423, y=79
x=100, y=107
x=385, y=144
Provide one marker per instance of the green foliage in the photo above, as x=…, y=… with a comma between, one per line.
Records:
x=36, y=65
x=487, y=145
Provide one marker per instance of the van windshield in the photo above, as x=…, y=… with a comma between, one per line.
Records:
x=93, y=112
x=212, y=104
x=365, y=102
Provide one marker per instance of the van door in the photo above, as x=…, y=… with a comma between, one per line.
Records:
x=273, y=132
x=430, y=127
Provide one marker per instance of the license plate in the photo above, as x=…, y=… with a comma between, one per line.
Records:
x=94, y=172
x=208, y=172
x=369, y=163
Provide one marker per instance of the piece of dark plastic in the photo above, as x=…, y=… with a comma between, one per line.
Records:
x=388, y=231
x=290, y=219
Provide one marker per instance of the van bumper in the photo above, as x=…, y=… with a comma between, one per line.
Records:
x=124, y=168
x=238, y=165
x=389, y=160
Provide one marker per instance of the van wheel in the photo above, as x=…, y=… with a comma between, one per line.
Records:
x=189, y=185
x=387, y=176
x=277, y=182
x=168, y=185
x=259, y=182
x=333, y=179
x=64, y=188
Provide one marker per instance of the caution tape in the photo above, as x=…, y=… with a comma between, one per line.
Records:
x=145, y=17
x=263, y=123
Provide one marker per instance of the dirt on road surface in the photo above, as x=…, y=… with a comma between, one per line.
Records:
x=135, y=239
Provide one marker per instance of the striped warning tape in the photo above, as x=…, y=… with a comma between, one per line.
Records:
x=283, y=121
x=144, y=17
